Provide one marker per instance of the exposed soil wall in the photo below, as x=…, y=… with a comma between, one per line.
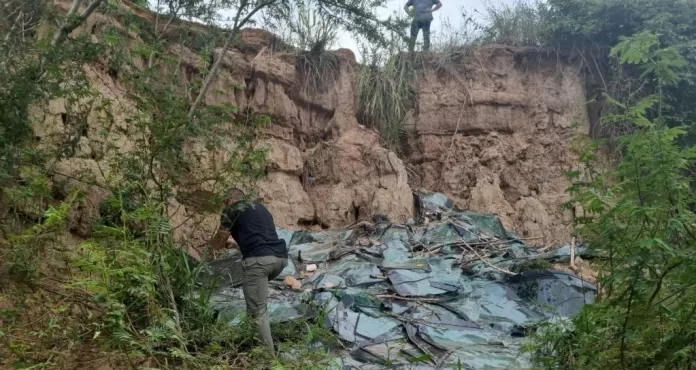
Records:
x=492, y=131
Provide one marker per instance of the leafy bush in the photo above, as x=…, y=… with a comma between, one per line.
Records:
x=642, y=217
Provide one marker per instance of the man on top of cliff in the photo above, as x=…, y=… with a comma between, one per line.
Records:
x=264, y=255
x=422, y=17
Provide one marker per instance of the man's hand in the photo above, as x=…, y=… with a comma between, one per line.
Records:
x=231, y=243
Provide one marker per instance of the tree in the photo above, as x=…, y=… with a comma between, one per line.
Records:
x=641, y=219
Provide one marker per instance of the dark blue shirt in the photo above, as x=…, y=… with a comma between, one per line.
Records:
x=252, y=227
x=421, y=7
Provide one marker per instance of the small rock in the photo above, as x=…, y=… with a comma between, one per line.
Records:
x=292, y=283
x=363, y=241
x=311, y=268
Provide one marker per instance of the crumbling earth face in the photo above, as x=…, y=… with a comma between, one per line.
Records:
x=451, y=289
x=491, y=129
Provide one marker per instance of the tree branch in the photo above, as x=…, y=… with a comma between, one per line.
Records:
x=71, y=22
x=216, y=66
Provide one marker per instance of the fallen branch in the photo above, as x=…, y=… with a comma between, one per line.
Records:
x=498, y=242
x=394, y=296
x=468, y=247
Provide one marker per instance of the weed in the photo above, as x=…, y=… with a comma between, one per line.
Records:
x=520, y=23
x=537, y=264
x=387, y=97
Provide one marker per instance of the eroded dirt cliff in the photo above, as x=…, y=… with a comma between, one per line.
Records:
x=492, y=131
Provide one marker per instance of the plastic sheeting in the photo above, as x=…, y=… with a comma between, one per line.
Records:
x=399, y=294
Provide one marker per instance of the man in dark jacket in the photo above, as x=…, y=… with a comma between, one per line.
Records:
x=264, y=255
x=422, y=17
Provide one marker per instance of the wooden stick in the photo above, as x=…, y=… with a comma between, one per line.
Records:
x=485, y=260
x=394, y=296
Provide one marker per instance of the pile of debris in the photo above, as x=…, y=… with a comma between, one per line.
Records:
x=454, y=288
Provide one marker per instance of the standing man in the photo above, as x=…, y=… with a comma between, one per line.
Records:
x=422, y=17
x=264, y=255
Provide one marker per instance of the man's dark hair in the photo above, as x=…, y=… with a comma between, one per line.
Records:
x=234, y=193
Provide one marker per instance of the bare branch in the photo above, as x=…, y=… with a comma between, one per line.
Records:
x=71, y=22
x=233, y=34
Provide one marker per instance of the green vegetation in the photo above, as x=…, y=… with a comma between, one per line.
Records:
x=127, y=290
x=642, y=216
x=387, y=96
x=642, y=213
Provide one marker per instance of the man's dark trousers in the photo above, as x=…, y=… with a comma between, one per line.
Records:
x=417, y=25
x=258, y=271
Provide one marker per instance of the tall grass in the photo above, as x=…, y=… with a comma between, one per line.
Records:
x=520, y=23
x=387, y=97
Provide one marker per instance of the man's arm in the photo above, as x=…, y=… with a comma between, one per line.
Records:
x=219, y=240
x=231, y=243
x=438, y=5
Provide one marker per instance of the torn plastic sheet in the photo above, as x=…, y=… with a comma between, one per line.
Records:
x=285, y=234
x=228, y=271
x=562, y=255
x=395, y=233
x=484, y=223
x=445, y=233
x=325, y=281
x=397, y=255
x=382, y=353
x=344, y=323
x=370, y=327
x=439, y=314
x=355, y=326
x=436, y=355
x=555, y=292
x=361, y=298
x=282, y=309
x=409, y=283
x=304, y=236
x=500, y=303
x=400, y=307
x=357, y=273
x=314, y=252
x=437, y=199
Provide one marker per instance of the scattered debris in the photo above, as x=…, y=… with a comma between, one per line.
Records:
x=450, y=290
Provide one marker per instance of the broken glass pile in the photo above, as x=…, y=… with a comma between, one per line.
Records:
x=432, y=294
